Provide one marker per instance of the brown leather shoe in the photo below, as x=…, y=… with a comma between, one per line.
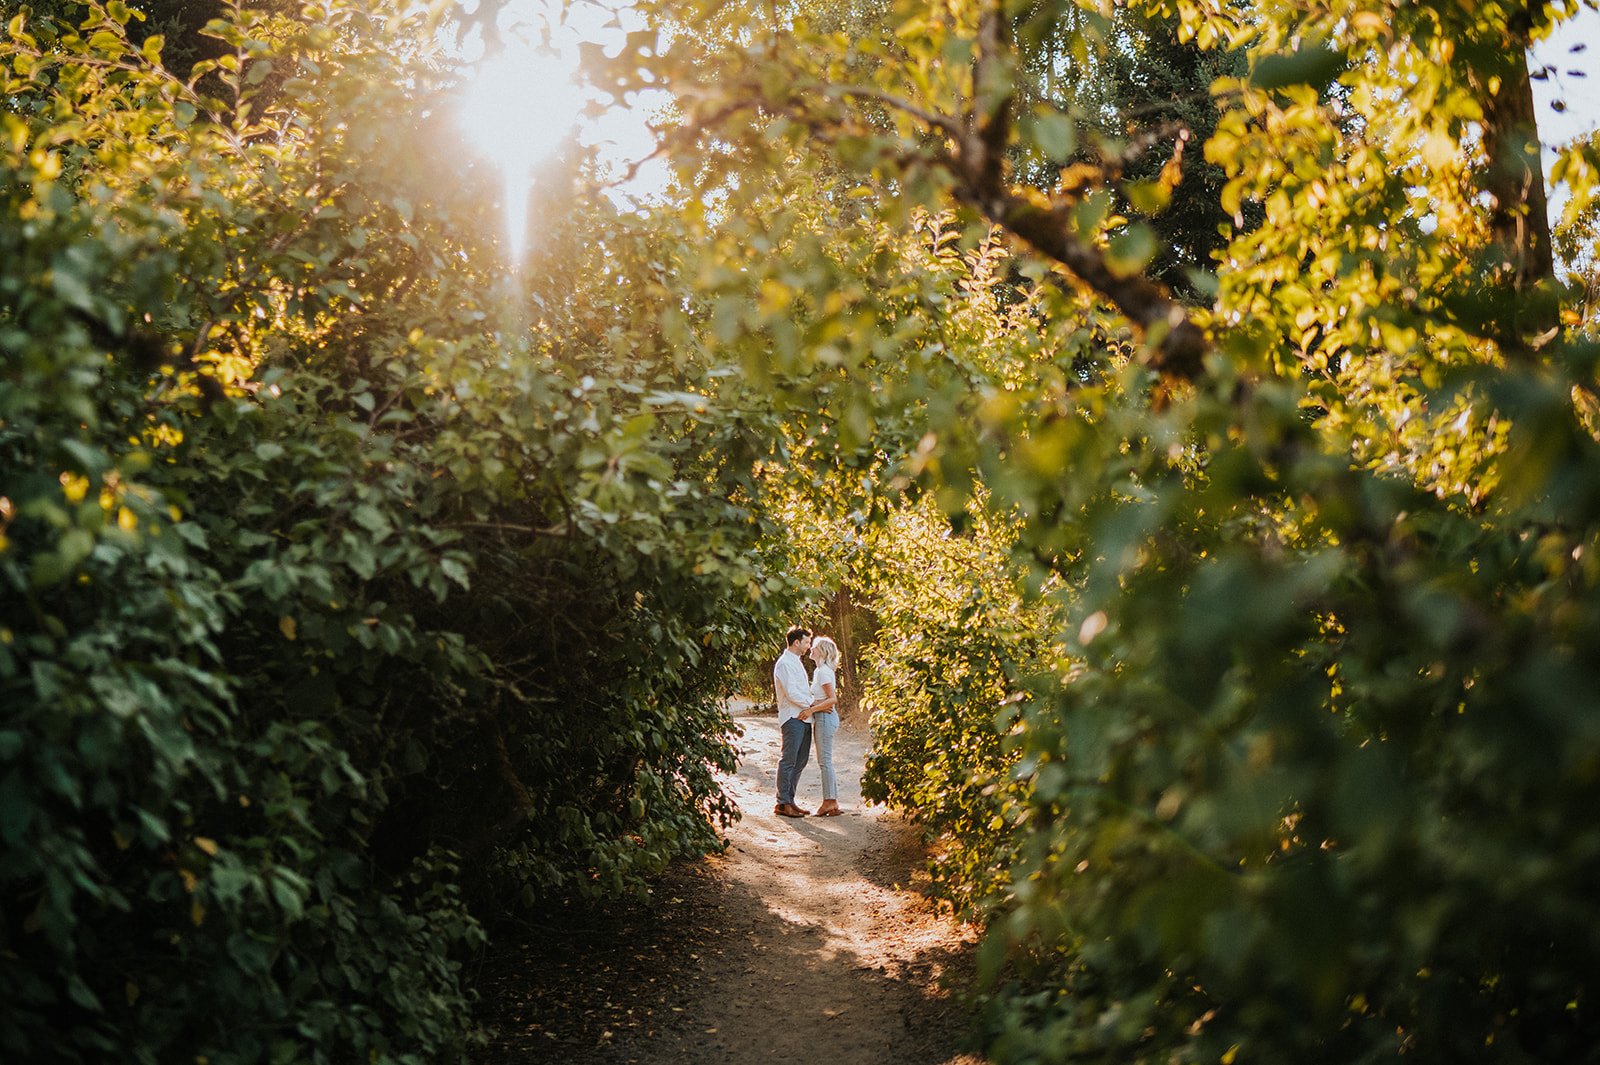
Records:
x=788, y=809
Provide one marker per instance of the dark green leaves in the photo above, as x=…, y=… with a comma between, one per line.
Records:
x=1314, y=64
x=296, y=599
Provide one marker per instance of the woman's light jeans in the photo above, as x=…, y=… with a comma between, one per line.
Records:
x=824, y=725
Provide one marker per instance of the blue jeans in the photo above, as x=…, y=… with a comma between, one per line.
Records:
x=796, y=750
x=826, y=724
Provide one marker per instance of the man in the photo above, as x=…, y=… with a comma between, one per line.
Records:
x=794, y=700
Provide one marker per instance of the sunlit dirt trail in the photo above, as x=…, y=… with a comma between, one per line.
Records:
x=802, y=943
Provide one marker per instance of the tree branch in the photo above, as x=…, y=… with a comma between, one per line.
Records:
x=1176, y=343
x=500, y=526
x=944, y=123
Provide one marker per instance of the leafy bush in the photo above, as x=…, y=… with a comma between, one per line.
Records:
x=1305, y=754
x=955, y=641
x=1305, y=798
x=337, y=610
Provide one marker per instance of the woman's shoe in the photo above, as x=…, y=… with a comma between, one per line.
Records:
x=829, y=808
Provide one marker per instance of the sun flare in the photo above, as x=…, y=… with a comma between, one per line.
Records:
x=518, y=107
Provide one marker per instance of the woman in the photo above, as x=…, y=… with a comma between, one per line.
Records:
x=824, y=716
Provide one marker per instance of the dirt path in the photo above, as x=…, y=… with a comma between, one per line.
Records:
x=803, y=943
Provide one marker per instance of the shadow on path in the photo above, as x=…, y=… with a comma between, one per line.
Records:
x=797, y=945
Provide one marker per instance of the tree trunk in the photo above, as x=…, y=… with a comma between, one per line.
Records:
x=851, y=624
x=1519, y=213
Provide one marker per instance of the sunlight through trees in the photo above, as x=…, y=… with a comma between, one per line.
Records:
x=1198, y=398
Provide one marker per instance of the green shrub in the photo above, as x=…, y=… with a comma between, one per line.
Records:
x=955, y=641
x=336, y=616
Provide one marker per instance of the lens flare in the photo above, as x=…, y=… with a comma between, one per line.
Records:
x=518, y=108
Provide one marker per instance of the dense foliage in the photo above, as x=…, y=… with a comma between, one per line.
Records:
x=954, y=635
x=1237, y=648
x=352, y=590
x=1301, y=763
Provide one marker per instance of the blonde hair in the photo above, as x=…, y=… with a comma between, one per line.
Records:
x=825, y=651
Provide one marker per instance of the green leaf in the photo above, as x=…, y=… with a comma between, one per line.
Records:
x=287, y=898
x=1131, y=251
x=1054, y=133
x=1092, y=212
x=372, y=519
x=1315, y=64
x=71, y=287
x=85, y=458
x=456, y=571
x=81, y=995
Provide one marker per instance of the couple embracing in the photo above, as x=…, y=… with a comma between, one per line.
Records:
x=804, y=706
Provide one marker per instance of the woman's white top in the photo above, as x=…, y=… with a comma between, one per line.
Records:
x=820, y=676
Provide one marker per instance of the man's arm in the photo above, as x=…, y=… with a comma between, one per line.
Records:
x=800, y=696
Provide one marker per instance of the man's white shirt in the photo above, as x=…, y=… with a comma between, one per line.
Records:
x=792, y=687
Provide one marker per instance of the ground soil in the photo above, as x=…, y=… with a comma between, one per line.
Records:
x=808, y=941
